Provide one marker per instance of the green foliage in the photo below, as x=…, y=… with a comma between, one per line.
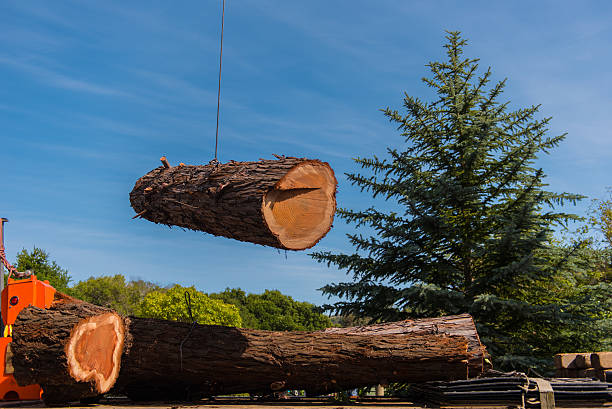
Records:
x=238, y=298
x=274, y=311
x=38, y=261
x=170, y=304
x=350, y=320
x=574, y=305
x=233, y=307
x=114, y=292
x=601, y=217
x=471, y=226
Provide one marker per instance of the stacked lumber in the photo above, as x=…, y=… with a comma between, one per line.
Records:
x=515, y=389
x=597, y=365
x=76, y=350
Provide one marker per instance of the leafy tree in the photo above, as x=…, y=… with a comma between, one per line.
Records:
x=601, y=217
x=471, y=223
x=584, y=301
x=274, y=311
x=38, y=261
x=114, y=292
x=238, y=298
x=170, y=304
x=351, y=320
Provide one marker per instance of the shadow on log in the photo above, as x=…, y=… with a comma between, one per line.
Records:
x=76, y=350
x=221, y=360
x=287, y=203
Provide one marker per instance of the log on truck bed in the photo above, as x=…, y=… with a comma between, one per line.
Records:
x=221, y=360
x=72, y=350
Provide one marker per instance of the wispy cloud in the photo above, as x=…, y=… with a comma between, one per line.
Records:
x=114, y=126
x=31, y=39
x=354, y=40
x=156, y=20
x=171, y=87
x=41, y=11
x=335, y=125
x=66, y=151
x=59, y=80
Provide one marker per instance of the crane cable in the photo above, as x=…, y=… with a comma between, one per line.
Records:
x=219, y=90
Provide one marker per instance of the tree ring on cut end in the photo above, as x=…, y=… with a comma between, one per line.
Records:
x=94, y=350
x=299, y=209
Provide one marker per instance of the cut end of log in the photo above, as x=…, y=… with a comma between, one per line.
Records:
x=94, y=350
x=299, y=209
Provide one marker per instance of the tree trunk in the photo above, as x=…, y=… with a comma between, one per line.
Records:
x=463, y=325
x=72, y=349
x=221, y=360
x=287, y=203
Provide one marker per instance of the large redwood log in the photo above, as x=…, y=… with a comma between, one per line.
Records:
x=463, y=325
x=287, y=203
x=72, y=350
x=221, y=360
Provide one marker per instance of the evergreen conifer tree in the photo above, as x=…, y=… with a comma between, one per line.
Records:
x=473, y=220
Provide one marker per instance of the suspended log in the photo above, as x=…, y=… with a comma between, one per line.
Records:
x=164, y=359
x=72, y=350
x=462, y=325
x=287, y=203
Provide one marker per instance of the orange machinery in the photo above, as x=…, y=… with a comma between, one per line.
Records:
x=18, y=295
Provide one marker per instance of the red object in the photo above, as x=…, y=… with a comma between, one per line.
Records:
x=18, y=295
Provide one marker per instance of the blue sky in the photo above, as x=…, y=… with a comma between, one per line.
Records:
x=94, y=92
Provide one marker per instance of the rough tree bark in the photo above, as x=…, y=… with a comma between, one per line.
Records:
x=462, y=325
x=219, y=360
x=72, y=349
x=287, y=203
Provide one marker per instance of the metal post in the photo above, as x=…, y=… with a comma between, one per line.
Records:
x=2, y=221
